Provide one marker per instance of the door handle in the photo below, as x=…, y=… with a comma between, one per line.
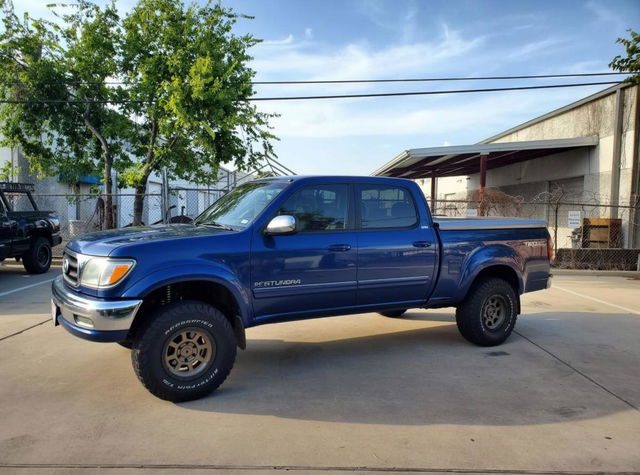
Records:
x=421, y=244
x=340, y=247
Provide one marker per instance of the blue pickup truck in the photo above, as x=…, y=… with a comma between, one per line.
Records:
x=281, y=249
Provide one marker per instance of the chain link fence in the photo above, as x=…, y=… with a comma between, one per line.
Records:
x=587, y=234
x=84, y=213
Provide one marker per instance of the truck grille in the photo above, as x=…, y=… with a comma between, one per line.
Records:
x=70, y=267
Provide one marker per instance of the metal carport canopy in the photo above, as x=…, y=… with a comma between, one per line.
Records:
x=459, y=160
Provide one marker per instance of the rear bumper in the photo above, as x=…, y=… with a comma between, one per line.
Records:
x=92, y=318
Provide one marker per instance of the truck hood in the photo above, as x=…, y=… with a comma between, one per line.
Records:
x=103, y=243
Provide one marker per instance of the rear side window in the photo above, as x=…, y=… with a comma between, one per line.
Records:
x=383, y=207
x=319, y=207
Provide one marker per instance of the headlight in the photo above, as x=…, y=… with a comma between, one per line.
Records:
x=102, y=272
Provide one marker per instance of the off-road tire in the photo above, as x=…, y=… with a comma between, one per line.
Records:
x=475, y=321
x=393, y=313
x=37, y=259
x=149, y=355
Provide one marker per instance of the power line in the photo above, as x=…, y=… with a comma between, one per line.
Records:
x=336, y=96
x=361, y=81
x=481, y=78
x=428, y=93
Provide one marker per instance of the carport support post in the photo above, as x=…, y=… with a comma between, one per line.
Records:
x=483, y=183
x=617, y=153
x=433, y=193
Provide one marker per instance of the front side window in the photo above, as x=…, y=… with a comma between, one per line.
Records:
x=238, y=208
x=383, y=206
x=319, y=207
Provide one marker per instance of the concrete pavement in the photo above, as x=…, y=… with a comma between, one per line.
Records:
x=353, y=394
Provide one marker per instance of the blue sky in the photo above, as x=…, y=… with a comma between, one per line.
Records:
x=347, y=39
x=410, y=38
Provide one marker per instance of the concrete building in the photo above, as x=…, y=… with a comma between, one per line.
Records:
x=585, y=152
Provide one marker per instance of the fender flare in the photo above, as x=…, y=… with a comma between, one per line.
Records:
x=217, y=274
x=491, y=256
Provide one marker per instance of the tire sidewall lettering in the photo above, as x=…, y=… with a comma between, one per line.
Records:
x=213, y=371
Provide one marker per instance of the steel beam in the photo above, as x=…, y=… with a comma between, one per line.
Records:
x=483, y=181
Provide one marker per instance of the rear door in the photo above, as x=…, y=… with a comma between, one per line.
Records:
x=396, y=247
x=315, y=268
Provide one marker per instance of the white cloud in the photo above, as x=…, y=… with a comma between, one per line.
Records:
x=360, y=60
x=286, y=41
x=605, y=16
x=529, y=50
x=417, y=116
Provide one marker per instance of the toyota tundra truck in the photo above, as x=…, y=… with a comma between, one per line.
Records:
x=289, y=248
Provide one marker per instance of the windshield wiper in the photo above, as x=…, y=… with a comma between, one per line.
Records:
x=215, y=225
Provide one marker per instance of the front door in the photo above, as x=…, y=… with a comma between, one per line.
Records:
x=7, y=229
x=396, y=248
x=313, y=270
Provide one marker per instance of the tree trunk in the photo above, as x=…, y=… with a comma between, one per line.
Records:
x=108, y=165
x=141, y=186
x=109, y=221
x=138, y=202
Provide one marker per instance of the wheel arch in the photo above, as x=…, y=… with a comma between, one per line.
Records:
x=40, y=232
x=499, y=271
x=204, y=288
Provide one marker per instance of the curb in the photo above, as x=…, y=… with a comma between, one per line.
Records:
x=596, y=273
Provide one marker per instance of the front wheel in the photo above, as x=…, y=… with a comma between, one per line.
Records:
x=37, y=259
x=185, y=351
x=488, y=314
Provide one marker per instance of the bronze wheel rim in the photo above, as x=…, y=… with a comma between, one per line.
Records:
x=494, y=312
x=188, y=353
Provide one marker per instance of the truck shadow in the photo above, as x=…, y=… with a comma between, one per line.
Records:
x=431, y=375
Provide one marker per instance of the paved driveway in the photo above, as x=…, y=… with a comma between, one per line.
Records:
x=354, y=394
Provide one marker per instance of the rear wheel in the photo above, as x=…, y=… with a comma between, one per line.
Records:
x=185, y=351
x=394, y=313
x=37, y=259
x=488, y=314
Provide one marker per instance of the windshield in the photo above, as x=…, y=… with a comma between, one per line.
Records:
x=239, y=207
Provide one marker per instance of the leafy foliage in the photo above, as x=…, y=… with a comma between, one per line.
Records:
x=630, y=63
x=164, y=87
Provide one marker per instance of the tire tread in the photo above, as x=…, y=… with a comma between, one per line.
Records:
x=467, y=314
x=30, y=260
x=169, y=315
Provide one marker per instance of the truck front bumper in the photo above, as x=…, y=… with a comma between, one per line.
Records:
x=89, y=317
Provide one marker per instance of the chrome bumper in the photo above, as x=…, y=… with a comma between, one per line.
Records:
x=91, y=313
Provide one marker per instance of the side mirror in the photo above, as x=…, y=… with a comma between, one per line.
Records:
x=283, y=224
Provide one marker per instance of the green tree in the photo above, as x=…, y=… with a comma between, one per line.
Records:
x=180, y=101
x=188, y=75
x=631, y=62
x=54, y=76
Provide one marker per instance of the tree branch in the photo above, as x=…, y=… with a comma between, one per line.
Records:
x=94, y=130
